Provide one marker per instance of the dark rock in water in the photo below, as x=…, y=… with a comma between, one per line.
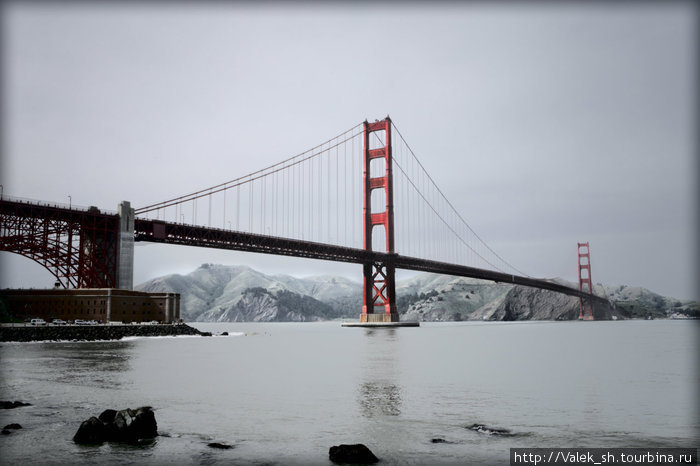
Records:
x=221, y=446
x=127, y=425
x=354, y=454
x=144, y=424
x=439, y=440
x=206, y=334
x=224, y=334
x=131, y=425
x=484, y=429
x=122, y=421
x=5, y=432
x=12, y=404
x=91, y=431
x=107, y=416
x=12, y=426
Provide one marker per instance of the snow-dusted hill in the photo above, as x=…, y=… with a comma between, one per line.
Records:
x=239, y=293
x=214, y=292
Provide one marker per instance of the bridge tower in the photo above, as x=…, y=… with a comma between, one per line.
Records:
x=584, y=281
x=379, y=281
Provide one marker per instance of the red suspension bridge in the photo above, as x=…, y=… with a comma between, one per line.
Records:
x=343, y=200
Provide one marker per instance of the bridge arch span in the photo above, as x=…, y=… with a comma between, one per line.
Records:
x=79, y=247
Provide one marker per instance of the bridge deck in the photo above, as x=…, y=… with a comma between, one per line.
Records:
x=174, y=233
x=191, y=235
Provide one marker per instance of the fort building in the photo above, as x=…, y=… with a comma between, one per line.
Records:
x=100, y=304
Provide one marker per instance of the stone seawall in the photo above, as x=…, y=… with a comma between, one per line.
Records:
x=92, y=333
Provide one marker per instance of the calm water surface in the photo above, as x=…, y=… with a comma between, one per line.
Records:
x=285, y=393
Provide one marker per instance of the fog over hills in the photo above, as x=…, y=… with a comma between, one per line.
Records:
x=229, y=293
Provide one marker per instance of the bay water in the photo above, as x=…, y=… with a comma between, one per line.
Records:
x=284, y=393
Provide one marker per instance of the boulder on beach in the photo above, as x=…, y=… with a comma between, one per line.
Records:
x=126, y=425
x=352, y=454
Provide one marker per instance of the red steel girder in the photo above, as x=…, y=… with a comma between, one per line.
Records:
x=78, y=247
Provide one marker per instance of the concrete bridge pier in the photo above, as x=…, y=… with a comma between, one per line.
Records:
x=125, y=247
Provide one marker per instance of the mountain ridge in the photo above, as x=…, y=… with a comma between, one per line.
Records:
x=215, y=292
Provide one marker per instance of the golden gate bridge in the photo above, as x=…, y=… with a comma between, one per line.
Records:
x=362, y=197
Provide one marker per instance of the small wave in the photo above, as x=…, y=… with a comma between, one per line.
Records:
x=167, y=337
x=157, y=337
x=498, y=431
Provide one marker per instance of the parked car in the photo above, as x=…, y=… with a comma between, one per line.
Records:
x=59, y=322
x=37, y=322
x=80, y=322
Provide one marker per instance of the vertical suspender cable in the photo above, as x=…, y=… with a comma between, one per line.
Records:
x=351, y=194
x=319, y=199
x=312, y=207
x=345, y=193
x=337, y=202
x=328, y=199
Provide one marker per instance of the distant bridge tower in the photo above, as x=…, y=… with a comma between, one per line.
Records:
x=379, y=281
x=584, y=281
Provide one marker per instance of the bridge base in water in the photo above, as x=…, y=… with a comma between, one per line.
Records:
x=380, y=320
x=380, y=324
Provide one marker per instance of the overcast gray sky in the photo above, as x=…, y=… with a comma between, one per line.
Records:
x=544, y=124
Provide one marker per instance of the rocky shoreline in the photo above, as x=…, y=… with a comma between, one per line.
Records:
x=93, y=333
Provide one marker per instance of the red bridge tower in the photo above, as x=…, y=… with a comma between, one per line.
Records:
x=379, y=281
x=584, y=281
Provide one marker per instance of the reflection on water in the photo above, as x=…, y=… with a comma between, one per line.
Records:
x=94, y=364
x=379, y=393
x=379, y=399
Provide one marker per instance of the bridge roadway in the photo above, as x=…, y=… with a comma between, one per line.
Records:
x=174, y=233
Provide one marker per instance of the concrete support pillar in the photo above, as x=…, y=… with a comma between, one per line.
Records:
x=125, y=245
x=170, y=304
x=109, y=305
